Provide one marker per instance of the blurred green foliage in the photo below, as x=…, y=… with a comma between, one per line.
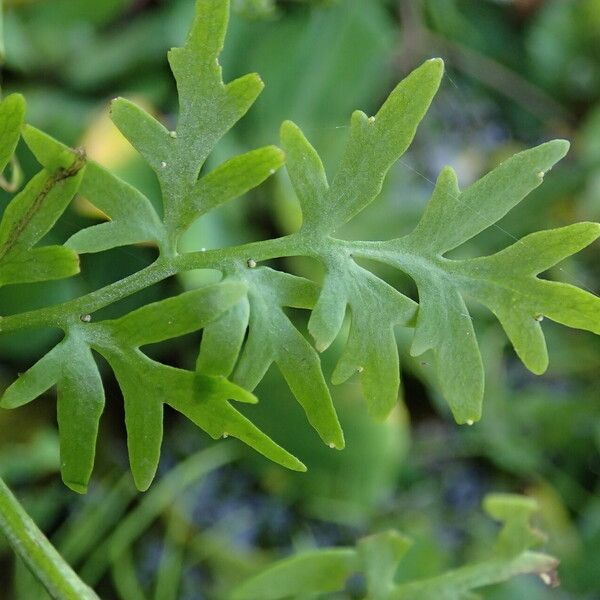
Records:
x=519, y=73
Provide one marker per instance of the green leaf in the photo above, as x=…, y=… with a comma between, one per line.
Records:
x=244, y=317
x=371, y=350
x=273, y=339
x=12, y=116
x=506, y=282
x=175, y=316
x=38, y=264
x=147, y=384
x=133, y=219
x=378, y=557
x=222, y=340
x=80, y=405
x=521, y=307
x=375, y=307
x=35, y=381
x=143, y=391
x=510, y=556
x=149, y=137
x=515, y=512
x=375, y=143
x=143, y=395
x=444, y=325
x=132, y=216
x=71, y=367
x=307, y=174
x=485, y=202
x=30, y=215
x=208, y=108
x=457, y=584
x=232, y=179
x=206, y=406
x=309, y=573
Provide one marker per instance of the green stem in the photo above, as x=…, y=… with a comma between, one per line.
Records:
x=37, y=552
x=61, y=315
x=465, y=579
x=298, y=244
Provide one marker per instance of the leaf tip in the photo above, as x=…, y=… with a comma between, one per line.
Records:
x=143, y=475
x=244, y=396
x=432, y=69
x=539, y=366
x=469, y=420
x=592, y=228
x=338, y=443
x=13, y=400
x=79, y=488
x=257, y=80
x=563, y=145
x=321, y=345
x=436, y=63
x=288, y=131
x=142, y=483
x=448, y=175
x=277, y=156
x=115, y=103
x=18, y=100
x=500, y=506
x=298, y=466
x=556, y=149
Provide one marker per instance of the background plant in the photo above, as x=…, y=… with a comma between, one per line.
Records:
x=418, y=366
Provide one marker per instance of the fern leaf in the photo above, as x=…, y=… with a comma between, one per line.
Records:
x=244, y=321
